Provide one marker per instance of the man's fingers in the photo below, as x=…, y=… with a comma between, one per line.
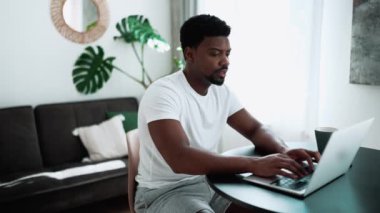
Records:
x=316, y=155
x=294, y=167
x=308, y=156
x=287, y=174
x=310, y=162
x=305, y=155
x=283, y=164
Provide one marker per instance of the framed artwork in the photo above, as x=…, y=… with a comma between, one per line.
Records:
x=365, y=43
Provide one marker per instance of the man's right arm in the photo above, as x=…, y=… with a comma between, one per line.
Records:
x=173, y=144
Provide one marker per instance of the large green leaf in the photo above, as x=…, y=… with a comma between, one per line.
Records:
x=136, y=28
x=92, y=70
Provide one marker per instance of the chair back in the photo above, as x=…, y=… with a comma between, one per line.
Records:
x=133, y=143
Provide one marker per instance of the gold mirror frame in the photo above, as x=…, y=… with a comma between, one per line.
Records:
x=56, y=12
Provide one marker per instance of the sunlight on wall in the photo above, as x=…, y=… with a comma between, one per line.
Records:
x=271, y=60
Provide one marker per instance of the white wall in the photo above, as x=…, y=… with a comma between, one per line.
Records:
x=36, y=61
x=342, y=103
x=271, y=62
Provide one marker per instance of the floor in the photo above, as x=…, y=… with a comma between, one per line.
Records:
x=114, y=205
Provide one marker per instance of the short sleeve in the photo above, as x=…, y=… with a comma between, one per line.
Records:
x=160, y=102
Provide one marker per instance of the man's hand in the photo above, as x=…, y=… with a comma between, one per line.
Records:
x=277, y=164
x=300, y=155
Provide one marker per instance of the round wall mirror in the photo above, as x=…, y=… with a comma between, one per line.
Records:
x=81, y=21
x=80, y=15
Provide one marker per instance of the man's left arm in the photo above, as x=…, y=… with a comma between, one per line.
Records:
x=264, y=141
x=253, y=130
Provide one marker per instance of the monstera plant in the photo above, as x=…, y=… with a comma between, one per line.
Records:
x=93, y=69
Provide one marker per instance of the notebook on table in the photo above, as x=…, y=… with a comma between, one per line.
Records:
x=335, y=161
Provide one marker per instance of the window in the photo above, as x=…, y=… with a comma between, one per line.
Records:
x=274, y=61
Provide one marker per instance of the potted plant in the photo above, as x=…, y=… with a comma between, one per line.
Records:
x=93, y=69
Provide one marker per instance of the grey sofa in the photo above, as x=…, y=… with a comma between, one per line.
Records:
x=39, y=141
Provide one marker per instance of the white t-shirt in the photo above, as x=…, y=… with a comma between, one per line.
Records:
x=203, y=119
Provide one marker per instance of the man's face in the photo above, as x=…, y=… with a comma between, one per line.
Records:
x=210, y=59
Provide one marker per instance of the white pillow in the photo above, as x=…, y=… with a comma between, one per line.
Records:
x=105, y=140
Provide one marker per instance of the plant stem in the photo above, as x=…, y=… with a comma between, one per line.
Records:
x=135, y=51
x=143, y=65
x=138, y=59
x=131, y=77
x=141, y=61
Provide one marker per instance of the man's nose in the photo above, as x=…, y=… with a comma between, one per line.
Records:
x=225, y=61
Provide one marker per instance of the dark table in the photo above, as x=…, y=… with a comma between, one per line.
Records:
x=356, y=191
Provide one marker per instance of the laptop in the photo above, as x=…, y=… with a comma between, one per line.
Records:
x=335, y=161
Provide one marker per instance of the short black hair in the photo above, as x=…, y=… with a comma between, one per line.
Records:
x=196, y=28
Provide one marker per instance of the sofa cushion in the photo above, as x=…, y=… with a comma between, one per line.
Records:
x=55, y=123
x=130, y=121
x=67, y=177
x=62, y=200
x=105, y=140
x=19, y=148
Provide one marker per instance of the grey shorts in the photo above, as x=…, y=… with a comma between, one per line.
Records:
x=189, y=196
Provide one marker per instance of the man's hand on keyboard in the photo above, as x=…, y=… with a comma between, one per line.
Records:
x=277, y=164
x=301, y=155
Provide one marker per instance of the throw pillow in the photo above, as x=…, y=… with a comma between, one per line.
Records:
x=105, y=140
x=130, y=121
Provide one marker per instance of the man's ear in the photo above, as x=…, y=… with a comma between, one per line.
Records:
x=188, y=54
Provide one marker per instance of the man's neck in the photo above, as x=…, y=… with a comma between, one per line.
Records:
x=199, y=85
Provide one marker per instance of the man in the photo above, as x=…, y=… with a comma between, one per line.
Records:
x=181, y=120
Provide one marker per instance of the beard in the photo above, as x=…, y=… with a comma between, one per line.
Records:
x=214, y=78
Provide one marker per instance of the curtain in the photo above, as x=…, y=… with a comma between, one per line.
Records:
x=274, y=63
x=181, y=10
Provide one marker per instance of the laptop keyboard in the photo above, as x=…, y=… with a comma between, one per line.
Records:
x=290, y=183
